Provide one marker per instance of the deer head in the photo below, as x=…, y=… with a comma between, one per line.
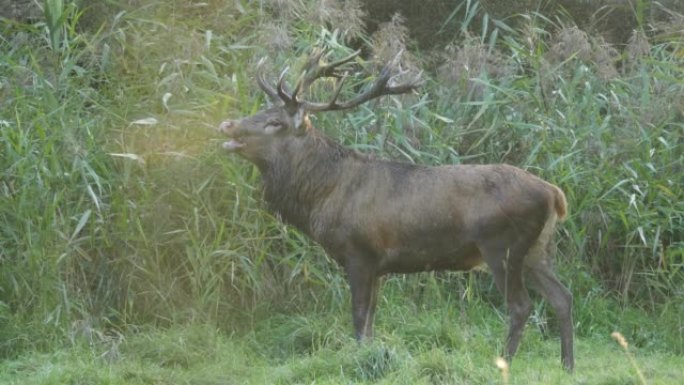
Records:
x=256, y=137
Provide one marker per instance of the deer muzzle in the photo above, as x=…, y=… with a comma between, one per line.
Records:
x=230, y=128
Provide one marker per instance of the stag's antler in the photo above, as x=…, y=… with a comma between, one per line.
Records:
x=379, y=88
x=315, y=70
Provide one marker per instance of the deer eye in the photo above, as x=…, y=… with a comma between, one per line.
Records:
x=273, y=126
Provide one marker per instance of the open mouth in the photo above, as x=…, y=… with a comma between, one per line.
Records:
x=233, y=145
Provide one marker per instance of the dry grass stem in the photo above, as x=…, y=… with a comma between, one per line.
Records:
x=622, y=341
x=503, y=366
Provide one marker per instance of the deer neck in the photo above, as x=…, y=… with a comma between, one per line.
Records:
x=301, y=176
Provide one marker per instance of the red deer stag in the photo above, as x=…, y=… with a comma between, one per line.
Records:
x=376, y=217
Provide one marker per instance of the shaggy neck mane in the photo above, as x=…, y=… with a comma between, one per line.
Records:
x=301, y=175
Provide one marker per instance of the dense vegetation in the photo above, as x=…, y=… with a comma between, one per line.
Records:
x=133, y=251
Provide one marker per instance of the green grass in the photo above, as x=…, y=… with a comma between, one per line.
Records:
x=133, y=251
x=315, y=348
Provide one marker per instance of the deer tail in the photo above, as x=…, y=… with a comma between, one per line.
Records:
x=559, y=202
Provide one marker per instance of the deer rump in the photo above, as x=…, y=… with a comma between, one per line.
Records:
x=376, y=217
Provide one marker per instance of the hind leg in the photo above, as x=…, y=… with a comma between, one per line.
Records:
x=539, y=269
x=506, y=265
x=544, y=281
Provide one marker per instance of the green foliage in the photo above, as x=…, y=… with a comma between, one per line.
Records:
x=118, y=210
x=55, y=186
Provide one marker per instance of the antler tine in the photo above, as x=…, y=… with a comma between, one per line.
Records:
x=267, y=88
x=314, y=70
x=312, y=63
x=315, y=57
x=377, y=89
x=395, y=61
x=280, y=92
x=289, y=100
x=300, y=85
x=338, y=89
x=329, y=69
x=411, y=85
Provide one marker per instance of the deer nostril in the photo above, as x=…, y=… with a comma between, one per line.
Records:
x=225, y=126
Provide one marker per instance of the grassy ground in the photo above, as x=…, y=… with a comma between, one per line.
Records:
x=133, y=251
x=317, y=348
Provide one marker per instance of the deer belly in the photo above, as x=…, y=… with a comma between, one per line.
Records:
x=428, y=259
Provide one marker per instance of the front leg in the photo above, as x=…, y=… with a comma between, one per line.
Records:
x=364, y=282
